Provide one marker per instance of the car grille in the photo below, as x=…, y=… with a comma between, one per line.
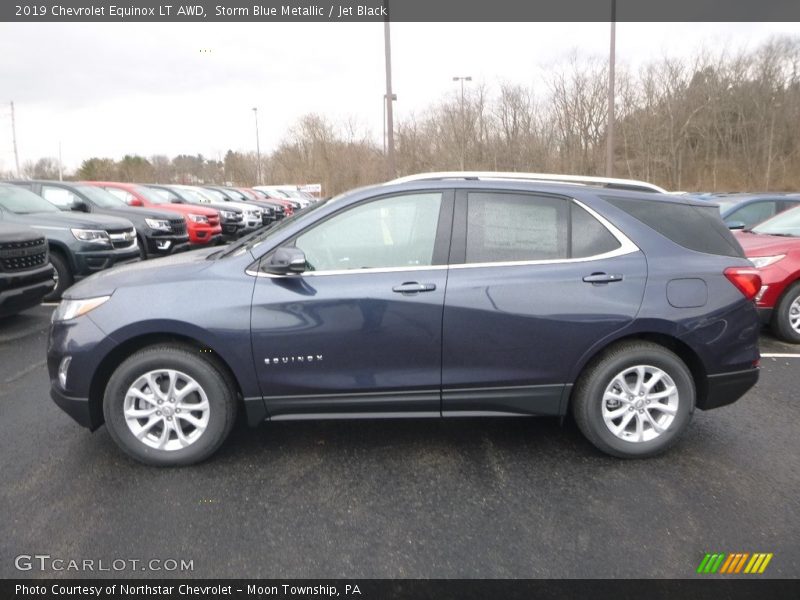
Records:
x=19, y=256
x=122, y=238
x=178, y=226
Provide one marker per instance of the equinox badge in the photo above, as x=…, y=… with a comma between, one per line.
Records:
x=287, y=360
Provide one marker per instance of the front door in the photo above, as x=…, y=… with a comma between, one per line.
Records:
x=360, y=331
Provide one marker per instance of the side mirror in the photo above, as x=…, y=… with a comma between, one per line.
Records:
x=80, y=206
x=135, y=202
x=286, y=261
x=734, y=224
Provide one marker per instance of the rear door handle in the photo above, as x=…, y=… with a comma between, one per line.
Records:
x=602, y=278
x=412, y=287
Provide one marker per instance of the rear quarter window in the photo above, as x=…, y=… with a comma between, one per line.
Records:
x=697, y=228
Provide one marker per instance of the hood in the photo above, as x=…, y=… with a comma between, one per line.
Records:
x=194, y=209
x=10, y=234
x=142, y=212
x=756, y=244
x=170, y=268
x=68, y=220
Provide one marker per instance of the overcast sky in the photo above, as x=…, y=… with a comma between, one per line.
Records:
x=107, y=89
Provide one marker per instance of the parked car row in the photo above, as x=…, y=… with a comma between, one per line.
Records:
x=90, y=226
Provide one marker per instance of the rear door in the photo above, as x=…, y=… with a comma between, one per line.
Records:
x=535, y=281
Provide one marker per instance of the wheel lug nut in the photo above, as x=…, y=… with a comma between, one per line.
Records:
x=177, y=410
x=161, y=402
x=641, y=393
x=640, y=412
x=158, y=412
x=647, y=401
x=630, y=408
x=169, y=418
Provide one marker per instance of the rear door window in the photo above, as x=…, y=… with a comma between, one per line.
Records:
x=513, y=227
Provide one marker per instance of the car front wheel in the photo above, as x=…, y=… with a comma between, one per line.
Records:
x=168, y=406
x=634, y=401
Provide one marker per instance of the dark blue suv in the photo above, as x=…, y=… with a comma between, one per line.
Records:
x=451, y=297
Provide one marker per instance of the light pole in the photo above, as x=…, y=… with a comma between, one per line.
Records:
x=394, y=97
x=611, y=64
x=258, y=149
x=387, y=102
x=463, y=136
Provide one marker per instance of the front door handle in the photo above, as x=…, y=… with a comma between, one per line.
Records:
x=412, y=287
x=596, y=278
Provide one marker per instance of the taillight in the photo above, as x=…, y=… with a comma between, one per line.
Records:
x=746, y=279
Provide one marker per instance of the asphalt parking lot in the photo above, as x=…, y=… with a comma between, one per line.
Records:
x=460, y=498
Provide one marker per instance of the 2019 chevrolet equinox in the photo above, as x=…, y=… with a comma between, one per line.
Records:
x=452, y=297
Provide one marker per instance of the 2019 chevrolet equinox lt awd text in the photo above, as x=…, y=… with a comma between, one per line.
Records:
x=432, y=297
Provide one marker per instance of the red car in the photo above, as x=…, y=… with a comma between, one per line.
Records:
x=202, y=223
x=774, y=248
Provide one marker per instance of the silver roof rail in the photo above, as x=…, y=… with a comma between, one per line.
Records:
x=610, y=182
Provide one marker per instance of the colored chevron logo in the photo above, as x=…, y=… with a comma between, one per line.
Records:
x=734, y=563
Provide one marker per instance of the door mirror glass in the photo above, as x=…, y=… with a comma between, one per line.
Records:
x=285, y=261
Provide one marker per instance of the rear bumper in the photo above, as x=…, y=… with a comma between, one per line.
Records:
x=727, y=388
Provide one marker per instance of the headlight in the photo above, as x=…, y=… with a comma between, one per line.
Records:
x=158, y=224
x=228, y=214
x=759, y=262
x=198, y=219
x=71, y=309
x=92, y=236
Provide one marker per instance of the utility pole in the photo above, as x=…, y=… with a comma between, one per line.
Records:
x=60, y=168
x=611, y=94
x=389, y=100
x=14, y=138
x=258, y=149
x=463, y=117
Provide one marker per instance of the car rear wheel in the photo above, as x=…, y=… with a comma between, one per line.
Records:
x=62, y=276
x=168, y=406
x=786, y=320
x=635, y=400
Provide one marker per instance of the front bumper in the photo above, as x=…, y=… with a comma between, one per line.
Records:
x=727, y=388
x=204, y=235
x=164, y=245
x=22, y=290
x=90, y=262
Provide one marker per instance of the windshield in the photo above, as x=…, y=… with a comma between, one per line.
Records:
x=22, y=202
x=256, y=239
x=165, y=195
x=236, y=195
x=100, y=197
x=726, y=204
x=193, y=196
x=150, y=195
x=214, y=195
x=786, y=223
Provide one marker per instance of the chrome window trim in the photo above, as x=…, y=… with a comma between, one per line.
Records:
x=626, y=247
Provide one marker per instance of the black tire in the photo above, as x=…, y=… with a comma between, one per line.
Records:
x=214, y=382
x=142, y=249
x=587, y=398
x=781, y=326
x=64, y=276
